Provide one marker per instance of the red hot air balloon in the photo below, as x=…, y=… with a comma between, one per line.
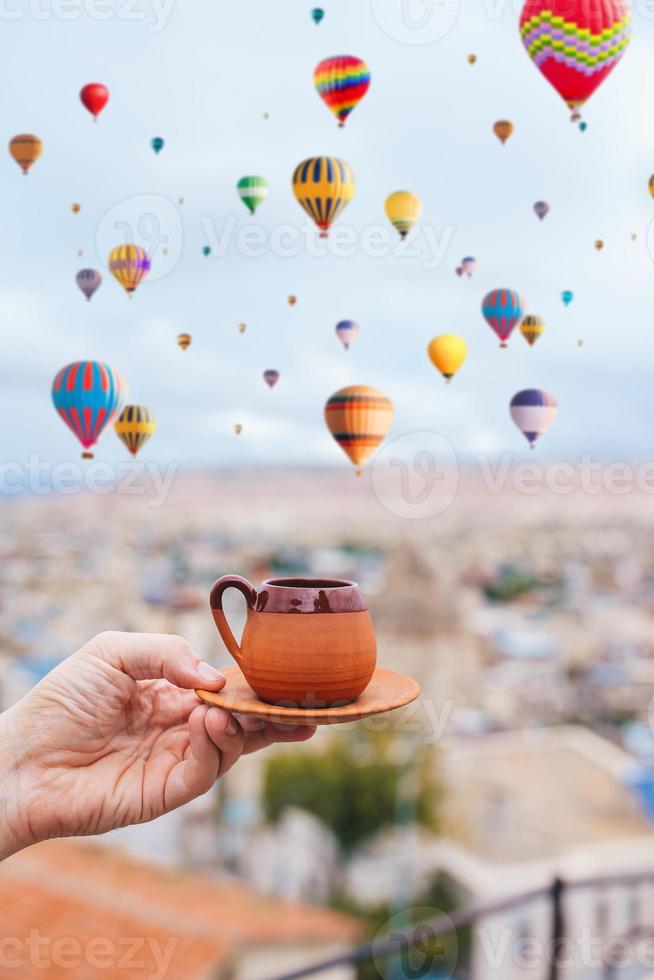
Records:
x=94, y=97
x=576, y=44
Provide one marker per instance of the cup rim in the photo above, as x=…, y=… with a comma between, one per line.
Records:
x=306, y=582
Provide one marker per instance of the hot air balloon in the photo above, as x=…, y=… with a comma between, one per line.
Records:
x=347, y=331
x=531, y=329
x=129, y=265
x=503, y=309
x=94, y=98
x=651, y=185
x=88, y=280
x=206, y=250
x=472, y=59
x=317, y=14
x=533, y=412
x=469, y=266
x=271, y=377
x=542, y=209
x=567, y=296
x=134, y=426
x=575, y=44
x=341, y=82
x=75, y=208
x=242, y=327
x=583, y=126
x=292, y=300
x=253, y=191
x=447, y=353
x=503, y=129
x=599, y=244
x=324, y=186
x=403, y=210
x=87, y=395
x=26, y=150
x=238, y=429
x=359, y=418
x=157, y=144
x=184, y=340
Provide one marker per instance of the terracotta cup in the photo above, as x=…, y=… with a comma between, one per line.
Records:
x=306, y=642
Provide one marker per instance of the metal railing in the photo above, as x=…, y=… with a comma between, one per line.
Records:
x=554, y=965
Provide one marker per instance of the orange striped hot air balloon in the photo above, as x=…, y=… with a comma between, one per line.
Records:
x=129, y=265
x=184, y=340
x=359, y=418
x=26, y=150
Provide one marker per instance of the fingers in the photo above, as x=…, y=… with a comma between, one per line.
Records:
x=259, y=734
x=146, y=656
x=227, y=735
x=199, y=770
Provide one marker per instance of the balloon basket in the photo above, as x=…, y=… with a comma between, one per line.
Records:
x=323, y=234
x=503, y=346
x=87, y=455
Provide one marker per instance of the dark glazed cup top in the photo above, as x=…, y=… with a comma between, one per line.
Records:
x=308, y=595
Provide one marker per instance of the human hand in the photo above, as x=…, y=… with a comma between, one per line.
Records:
x=114, y=735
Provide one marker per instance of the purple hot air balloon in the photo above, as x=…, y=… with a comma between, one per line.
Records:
x=271, y=377
x=469, y=266
x=347, y=331
x=533, y=412
x=542, y=209
x=88, y=281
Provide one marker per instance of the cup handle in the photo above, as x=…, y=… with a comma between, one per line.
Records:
x=220, y=619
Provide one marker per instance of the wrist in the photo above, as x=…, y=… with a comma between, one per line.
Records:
x=12, y=819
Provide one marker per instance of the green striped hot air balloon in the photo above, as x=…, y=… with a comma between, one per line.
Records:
x=253, y=191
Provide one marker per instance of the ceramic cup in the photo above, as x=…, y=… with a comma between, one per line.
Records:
x=306, y=642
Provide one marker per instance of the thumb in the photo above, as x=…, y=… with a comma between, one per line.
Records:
x=148, y=656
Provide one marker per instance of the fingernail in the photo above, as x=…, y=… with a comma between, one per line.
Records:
x=207, y=672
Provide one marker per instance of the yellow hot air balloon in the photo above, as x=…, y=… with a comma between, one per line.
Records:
x=242, y=327
x=599, y=244
x=184, y=340
x=532, y=328
x=403, y=210
x=292, y=300
x=447, y=354
x=75, y=208
x=129, y=265
x=503, y=129
x=359, y=418
x=651, y=185
x=134, y=426
x=26, y=150
x=324, y=186
x=472, y=59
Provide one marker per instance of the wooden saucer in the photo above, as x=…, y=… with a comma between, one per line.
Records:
x=387, y=690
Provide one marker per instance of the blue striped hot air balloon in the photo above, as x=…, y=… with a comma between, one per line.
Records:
x=533, y=412
x=503, y=309
x=87, y=395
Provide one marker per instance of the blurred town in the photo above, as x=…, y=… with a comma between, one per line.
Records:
x=526, y=619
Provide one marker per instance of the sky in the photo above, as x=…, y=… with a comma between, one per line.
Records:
x=202, y=75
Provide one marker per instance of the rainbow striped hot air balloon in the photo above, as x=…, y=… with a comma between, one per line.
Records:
x=253, y=191
x=347, y=331
x=575, y=44
x=134, y=426
x=359, y=418
x=341, y=82
x=503, y=310
x=324, y=186
x=87, y=395
x=533, y=412
x=129, y=265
